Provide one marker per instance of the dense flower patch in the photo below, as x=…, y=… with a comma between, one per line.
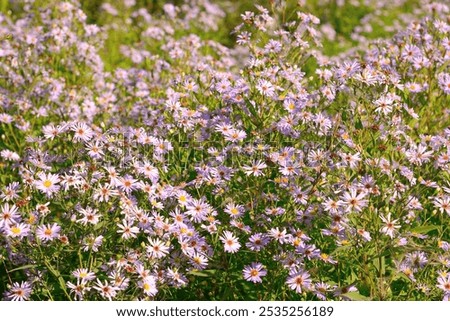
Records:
x=143, y=159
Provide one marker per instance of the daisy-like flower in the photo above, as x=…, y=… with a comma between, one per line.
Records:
x=92, y=243
x=176, y=277
x=298, y=280
x=183, y=198
x=198, y=209
x=332, y=206
x=89, y=216
x=235, y=135
x=127, y=230
x=9, y=155
x=47, y=183
x=417, y=260
x=199, y=261
x=19, y=230
x=230, y=242
x=19, y=292
x=150, y=171
x=78, y=289
x=419, y=155
x=444, y=82
x=51, y=131
x=234, y=211
x=364, y=234
x=83, y=274
x=10, y=192
x=390, y=226
x=442, y=203
x=280, y=236
x=104, y=192
x=444, y=285
x=321, y=289
x=255, y=169
x=82, y=132
x=384, y=105
x=157, y=249
x=148, y=284
x=9, y=215
x=94, y=150
x=254, y=272
x=353, y=201
x=127, y=184
x=106, y=290
x=48, y=233
x=266, y=88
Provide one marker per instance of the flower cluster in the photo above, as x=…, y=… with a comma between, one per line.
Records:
x=180, y=168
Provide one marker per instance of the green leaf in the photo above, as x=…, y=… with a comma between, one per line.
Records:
x=205, y=273
x=24, y=267
x=358, y=124
x=425, y=229
x=380, y=265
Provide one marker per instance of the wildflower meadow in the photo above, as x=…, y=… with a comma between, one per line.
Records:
x=224, y=150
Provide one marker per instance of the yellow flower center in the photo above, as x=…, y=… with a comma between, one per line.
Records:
x=15, y=230
x=47, y=183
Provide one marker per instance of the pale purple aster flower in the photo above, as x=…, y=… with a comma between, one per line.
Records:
x=299, y=280
x=390, y=226
x=257, y=242
x=254, y=272
x=107, y=291
x=230, y=242
x=48, y=232
x=19, y=291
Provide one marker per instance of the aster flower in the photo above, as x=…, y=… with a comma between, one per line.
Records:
x=332, y=206
x=9, y=215
x=230, y=242
x=176, y=277
x=157, y=248
x=106, y=290
x=104, y=192
x=444, y=285
x=234, y=210
x=127, y=184
x=353, y=201
x=90, y=216
x=390, y=226
x=255, y=169
x=83, y=274
x=235, y=135
x=444, y=82
x=299, y=280
x=197, y=209
x=199, y=261
x=82, y=132
x=257, y=242
x=254, y=272
x=266, y=88
x=321, y=289
x=19, y=230
x=19, y=291
x=442, y=204
x=148, y=284
x=92, y=243
x=79, y=289
x=48, y=232
x=127, y=230
x=47, y=183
